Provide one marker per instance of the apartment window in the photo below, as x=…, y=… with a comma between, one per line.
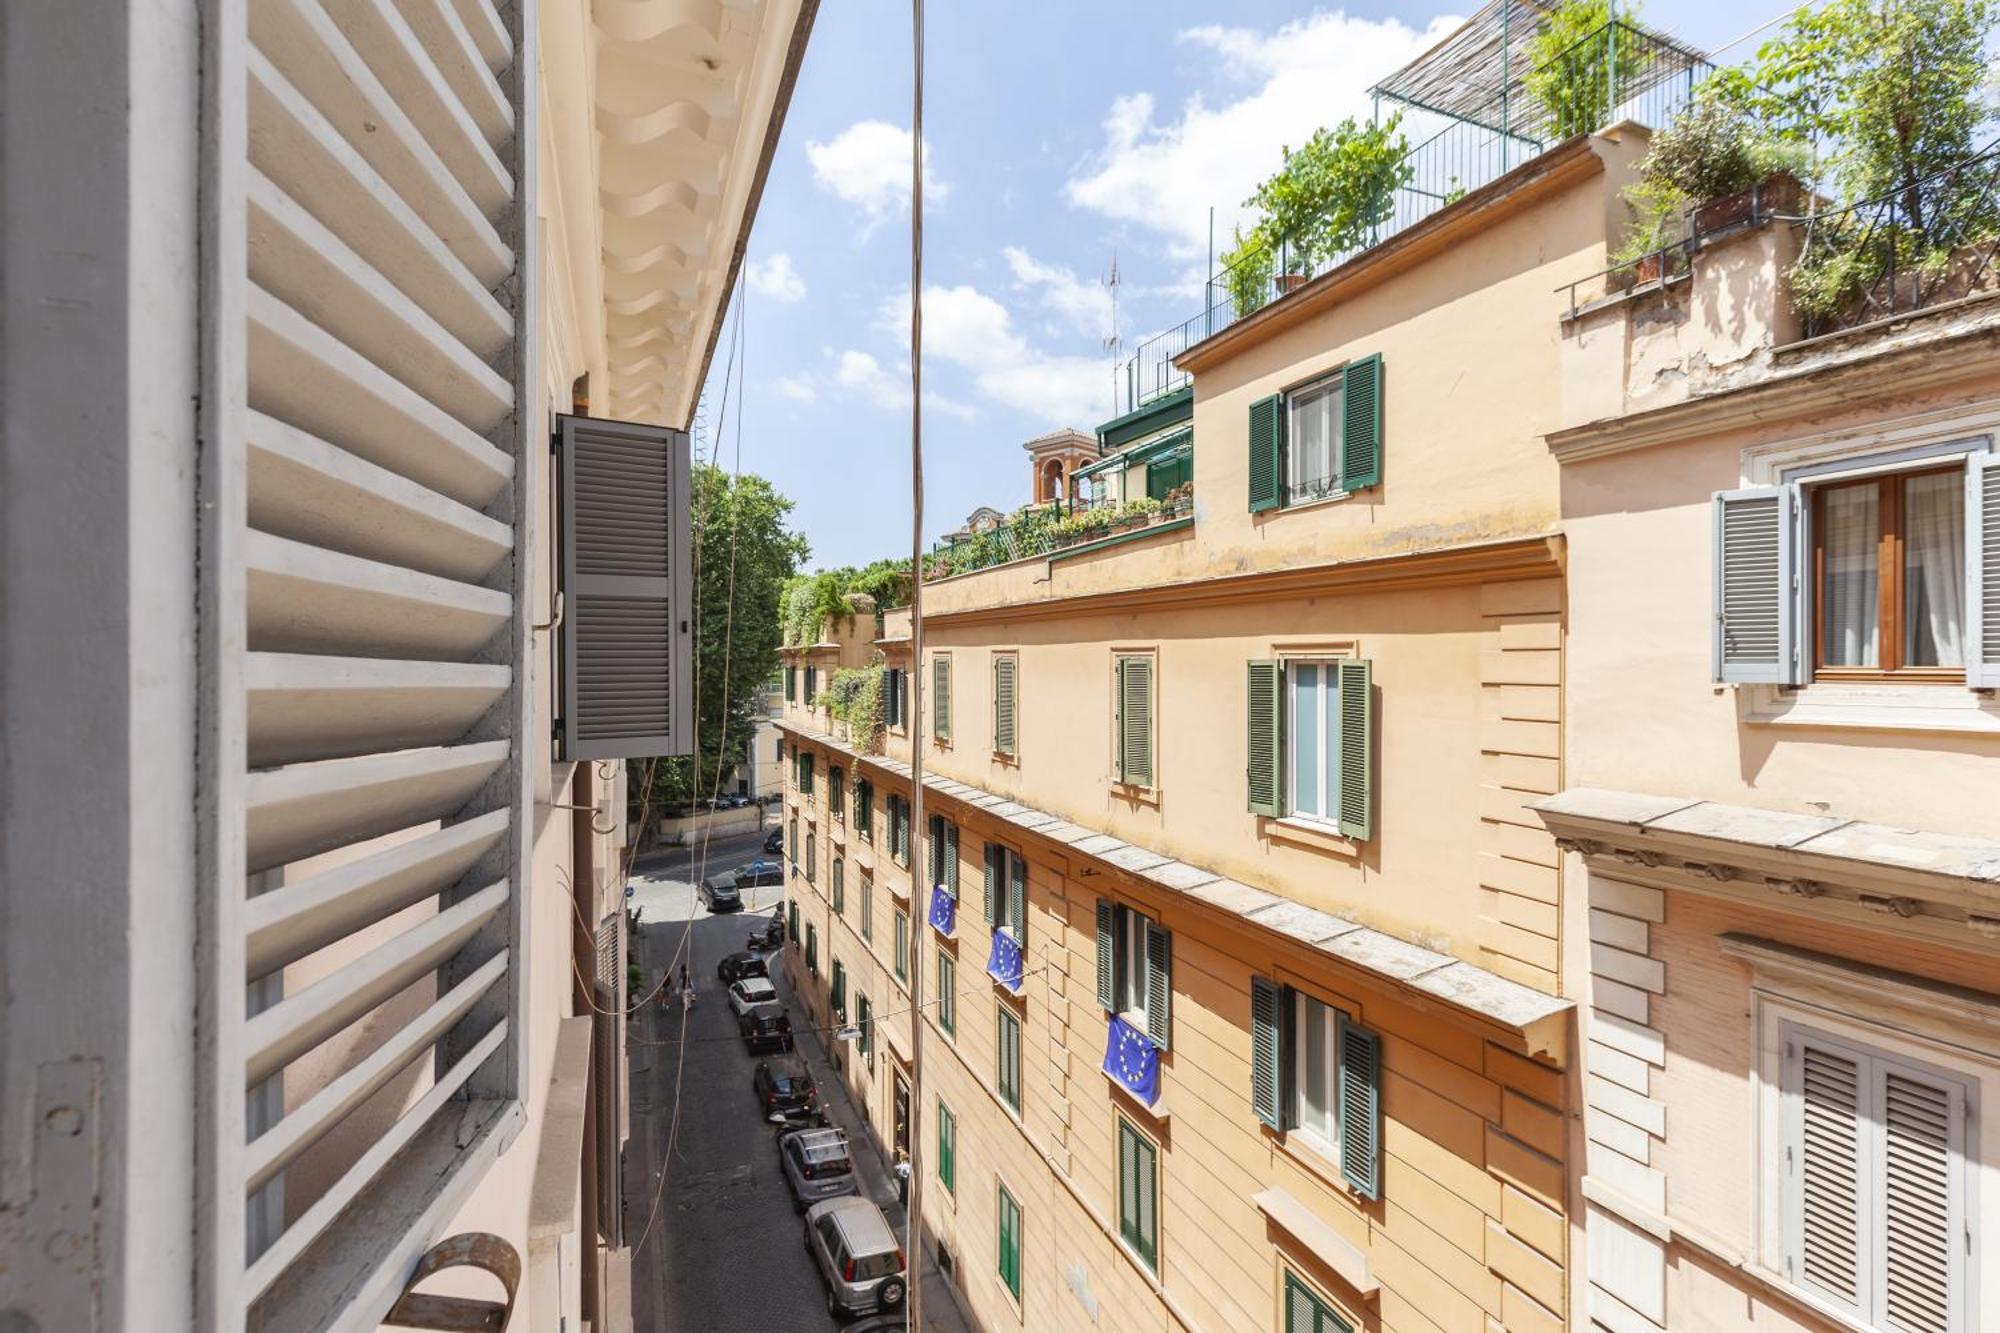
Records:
x=1010, y=1242
x=806, y=776
x=902, y=954
x=896, y=698
x=947, y=993
x=942, y=853
x=1007, y=1072
x=1135, y=970
x=812, y=844
x=1007, y=891
x=791, y=684
x=839, y=886
x=941, y=698
x=792, y=934
x=839, y=990
x=1317, y=1075
x=1305, y=1312
x=1006, y=703
x=899, y=829
x=1311, y=742
x=947, y=1148
x=864, y=1022
x=1876, y=1178
x=1139, y=1193
x=812, y=948
x=867, y=906
x=864, y=809
x=1890, y=568
x=1321, y=439
x=836, y=792
x=792, y=838
x=1133, y=706
x=812, y=687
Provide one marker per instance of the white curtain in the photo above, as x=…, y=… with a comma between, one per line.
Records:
x=1934, y=564
x=1850, y=619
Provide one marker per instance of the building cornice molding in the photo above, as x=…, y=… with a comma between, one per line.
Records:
x=1485, y=562
x=1781, y=966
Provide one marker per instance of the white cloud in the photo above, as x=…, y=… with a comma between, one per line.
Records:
x=966, y=328
x=1165, y=174
x=860, y=373
x=868, y=165
x=1084, y=304
x=776, y=278
x=797, y=388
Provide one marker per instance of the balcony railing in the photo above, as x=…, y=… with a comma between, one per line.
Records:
x=1050, y=529
x=1620, y=72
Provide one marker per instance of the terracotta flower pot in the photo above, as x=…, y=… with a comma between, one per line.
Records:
x=1290, y=282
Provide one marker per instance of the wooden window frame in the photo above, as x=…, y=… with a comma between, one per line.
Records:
x=1890, y=554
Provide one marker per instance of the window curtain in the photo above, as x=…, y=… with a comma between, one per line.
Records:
x=1934, y=569
x=1853, y=530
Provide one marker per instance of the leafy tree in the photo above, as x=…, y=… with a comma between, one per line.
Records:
x=736, y=654
x=1579, y=65
x=1332, y=192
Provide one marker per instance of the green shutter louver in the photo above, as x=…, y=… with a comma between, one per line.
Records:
x=1159, y=985
x=994, y=856
x=791, y=684
x=1005, y=673
x=1361, y=424
x=1305, y=1312
x=1267, y=1047
x=1267, y=439
x=1134, y=683
x=1360, y=1109
x=1107, y=955
x=951, y=857
x=1357, y=750
x=941, y=698
x=1265, y=769
x=1017, y=899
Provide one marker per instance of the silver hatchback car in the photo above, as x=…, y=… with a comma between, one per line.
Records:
x=816, y=1164
x=858, y=1257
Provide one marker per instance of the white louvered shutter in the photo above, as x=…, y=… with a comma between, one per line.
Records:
x=1982, y=571
x=371, y=564
x=1922, y=1138
x=1755, y=638
x=1828, y=1171
x=625, y=640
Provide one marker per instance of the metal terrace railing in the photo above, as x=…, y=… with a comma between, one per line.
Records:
x=1481, y=109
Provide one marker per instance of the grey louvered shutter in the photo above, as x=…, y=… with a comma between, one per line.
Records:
x=1829, y=1172
x=994, y=856
x=1357, y=749
x=1361, y=424
x=1922, y=1204
x=1159, y=984
x=1135, y=721
x=1005, y=705
x=1107, y=955
x=1360, y=1109
x=1264, y=770
x=1755, y=639
x=941, y=698
x=1017, y=899
x=1267, y=1044
x=1267, y=444
x=626, y=651
x=1982, y=571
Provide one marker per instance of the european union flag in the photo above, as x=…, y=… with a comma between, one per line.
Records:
x=1132, y=1059
x=944, y=910
x=1004, y=965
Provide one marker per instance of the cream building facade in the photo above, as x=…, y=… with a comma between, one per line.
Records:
x=313, y=926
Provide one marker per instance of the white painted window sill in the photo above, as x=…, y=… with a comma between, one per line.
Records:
x=1872, y=707
x=1305, y=832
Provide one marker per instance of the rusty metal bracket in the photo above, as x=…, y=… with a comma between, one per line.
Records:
x=460, y=1314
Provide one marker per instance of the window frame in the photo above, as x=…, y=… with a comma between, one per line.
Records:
x=1330, y=387
x=867, y=907
x=1329, y=740
x=1891, y=569
x=839, y=887
x=1131, y=1229
x=1129, y=983
x=836, y=792
x=1006, y=1022
x=1326, y=1145
x=900, y=950
x=947, y=1148
x=1008, y=1267
x=942, y=700
x=946, y=973
x=1122, y=773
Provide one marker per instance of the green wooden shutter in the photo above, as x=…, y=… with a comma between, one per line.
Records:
x=1159, y=984
x=1107, y=955
x=951, y=857
x=1360, y=1109
x=1267, y=442
x=1357, y=750
x=947, y=1149
x=941, y=698
x=1265, y=771
x=1361, y=424
x=993, y=854
x=1017, y=899
x=791, y=684
x=1267, y=1051
x=1005, y=670
x=1135, y=721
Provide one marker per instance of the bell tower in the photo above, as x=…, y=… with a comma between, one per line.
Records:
x=1054, y=457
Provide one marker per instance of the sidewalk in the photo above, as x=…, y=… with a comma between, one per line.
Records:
x=942, y=1311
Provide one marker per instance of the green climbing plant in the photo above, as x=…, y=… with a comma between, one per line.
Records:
x=1579, y=63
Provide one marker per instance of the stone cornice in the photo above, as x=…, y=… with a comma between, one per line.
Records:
x=1515, y=558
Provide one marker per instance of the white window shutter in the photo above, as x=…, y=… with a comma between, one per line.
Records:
x=1755, y=636
x=1922, y=1127
x=1982, y=571
x=1828, y=1202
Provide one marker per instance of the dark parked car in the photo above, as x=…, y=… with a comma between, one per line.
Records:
x=783, y=1085
x=739, y=965
x=772, y=935
x=756, y=874
x=719, y=893
x=774, y=842
x=765, y=1027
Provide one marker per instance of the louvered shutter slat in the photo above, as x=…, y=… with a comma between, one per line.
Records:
x=1004, y=704
x=951, y=857
x=1360, y=1108
x=1357, y=749
x=1918, y=1214
x=992, y=896
x=1107, y=955
x=1017, y=899
x=1754, y=573
x=1135, y=721
x=941, y=698
x=1982, y=571
x=1829, y=1173
x=1264, y=769
x=1266, y=1051
x=1267, y=434
x=1159, y=964
x=1361, y=424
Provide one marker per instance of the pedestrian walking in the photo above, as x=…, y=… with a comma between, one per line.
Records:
x=902, y=1178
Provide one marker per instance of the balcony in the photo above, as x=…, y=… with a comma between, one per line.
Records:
x=1045, y=531
x=1472, y=109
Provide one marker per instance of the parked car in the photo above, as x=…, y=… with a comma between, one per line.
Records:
x=750, y=992
x=772, y=935
x=737, y=802
x=817, y=1165
x=719, y=893
x=765, y=1027
x=858, y=1257
x=737, y=966
x=783, y=1086
x=774, y=841
x=757, y=874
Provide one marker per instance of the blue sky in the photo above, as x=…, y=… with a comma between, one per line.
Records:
x=1058, y=133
